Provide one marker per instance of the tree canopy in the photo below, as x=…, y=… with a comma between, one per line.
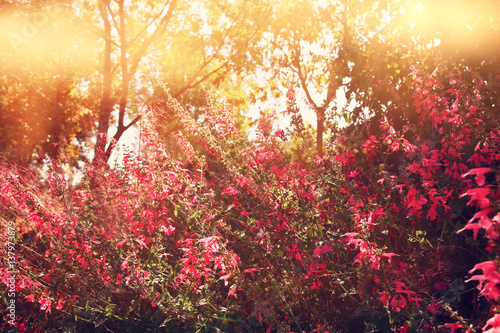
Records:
x=118, y=51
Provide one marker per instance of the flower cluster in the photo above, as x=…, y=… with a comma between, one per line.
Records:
x=238, y=233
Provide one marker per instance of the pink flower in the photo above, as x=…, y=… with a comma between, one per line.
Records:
x=484, y=223
x=232, y=292
x=479, y=172
x=452, y=326
x=494, y=322
x=479, y=196
x=353, y=174
x=225, y=277
x=167, y=230
x=316, y=285
x=351, y=240
x=125, y=265
x=389, y=256
x=45, y=304
x=230, y=190
x=251, y=271
x=60, y=304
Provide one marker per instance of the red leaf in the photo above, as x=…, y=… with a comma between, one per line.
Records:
x=434, y=308
x=385, y=298
x=399, y=285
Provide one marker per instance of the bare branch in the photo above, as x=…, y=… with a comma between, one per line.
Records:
x=153, y=37
x=302, y=79
x=124, y=64
x=189, y=86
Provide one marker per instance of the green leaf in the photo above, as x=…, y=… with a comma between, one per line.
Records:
x=109, y=310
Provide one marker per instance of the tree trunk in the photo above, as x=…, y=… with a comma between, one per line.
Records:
x=320, y=129
x=107, y=104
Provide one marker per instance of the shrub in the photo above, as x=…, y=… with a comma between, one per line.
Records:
x=239, y=235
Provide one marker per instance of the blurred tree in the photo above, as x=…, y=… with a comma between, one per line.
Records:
x=205, y=40
x=95, y=64
x=44, y=110
x=125, y=48
x=215, y=55
x=340, y=47
x=364, y=50
x=466, y=34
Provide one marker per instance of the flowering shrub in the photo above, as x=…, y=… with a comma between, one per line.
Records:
x=240, y=235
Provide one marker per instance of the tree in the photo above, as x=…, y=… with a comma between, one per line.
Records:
x=213, y=31
x=184, y=43
x=365, y=49
x=342, y=46
x=43, y=108
x=214, y=56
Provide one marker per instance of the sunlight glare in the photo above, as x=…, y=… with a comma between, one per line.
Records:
x=44, y=39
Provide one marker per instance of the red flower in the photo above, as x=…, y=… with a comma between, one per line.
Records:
x=125, y=265
x=60, y=304
x=479, y=172
x=484, y=223
x=403, y=329
x=316, y=285
x=434, y=308
x=232, y=292
x=478, y=195
x=230, y=190
x=452, y=326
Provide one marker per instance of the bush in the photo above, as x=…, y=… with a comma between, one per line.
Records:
x=240, y=236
